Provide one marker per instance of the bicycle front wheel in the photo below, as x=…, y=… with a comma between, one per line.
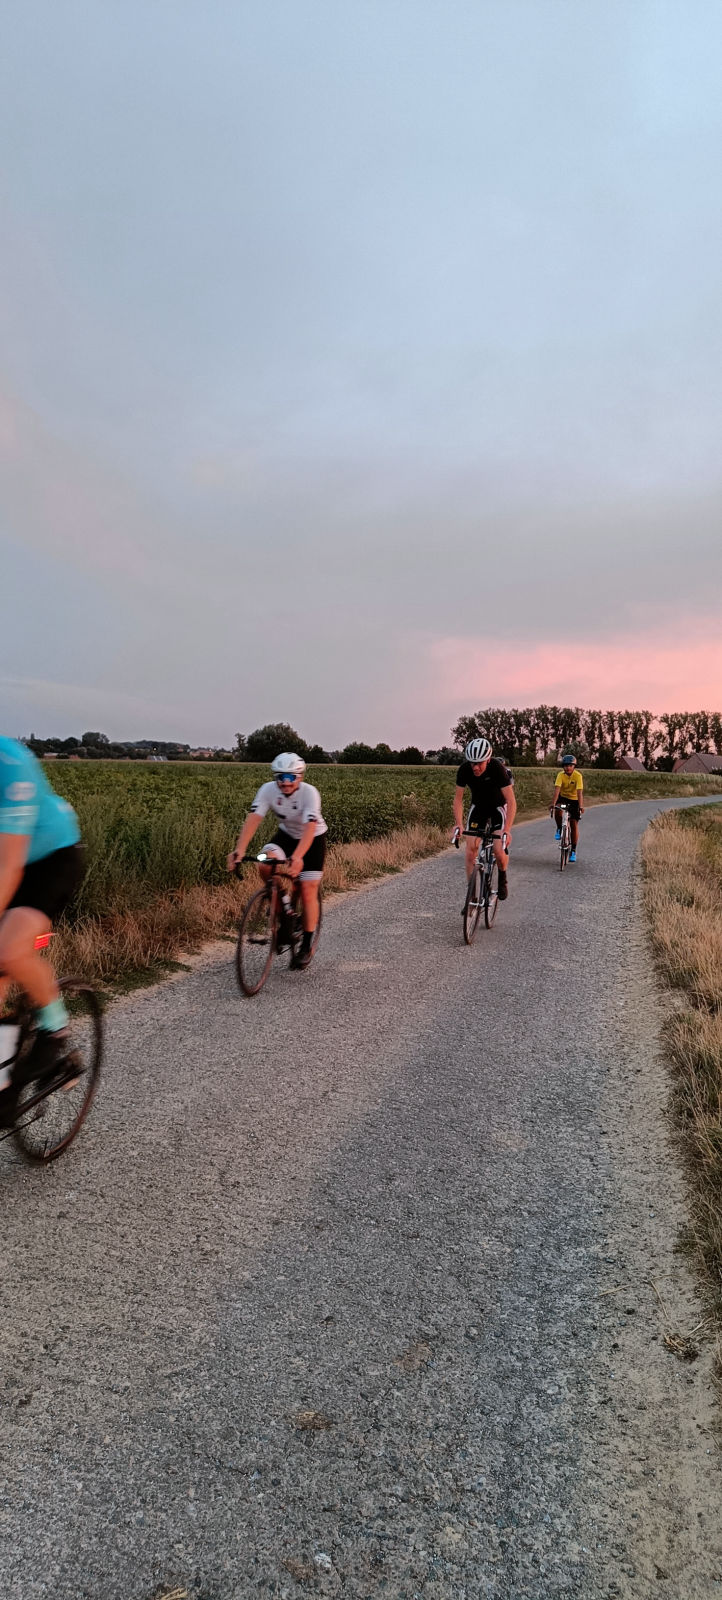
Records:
x=563, y=854
x=256, y=943
x=51, y=1112
x=491, y=893
x=472, y=906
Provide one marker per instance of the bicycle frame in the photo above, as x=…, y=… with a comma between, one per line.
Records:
x=285, y=917
x=279, y=869
x=480, y=883
x=565, y=842
x=484, y=857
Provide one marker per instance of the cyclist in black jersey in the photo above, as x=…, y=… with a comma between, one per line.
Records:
x=492, y=798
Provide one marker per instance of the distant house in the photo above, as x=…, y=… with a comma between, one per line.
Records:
x=625, y=763
x=701, y=761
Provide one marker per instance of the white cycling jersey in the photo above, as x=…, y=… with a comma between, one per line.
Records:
x=294, y=811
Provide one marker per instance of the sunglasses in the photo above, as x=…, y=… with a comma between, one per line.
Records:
x=285, y=777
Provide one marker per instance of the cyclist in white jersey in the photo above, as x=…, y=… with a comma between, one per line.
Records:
x=300, y=840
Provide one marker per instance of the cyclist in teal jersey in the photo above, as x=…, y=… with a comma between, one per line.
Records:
x=41, y=866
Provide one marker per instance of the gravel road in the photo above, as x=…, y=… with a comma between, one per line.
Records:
x=360, y=1287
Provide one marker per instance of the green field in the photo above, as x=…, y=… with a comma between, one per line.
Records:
x=154, y=828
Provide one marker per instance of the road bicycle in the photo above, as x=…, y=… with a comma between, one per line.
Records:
x=272, y=922
x=49, y=1111
x=565, y=840
x=482, y=892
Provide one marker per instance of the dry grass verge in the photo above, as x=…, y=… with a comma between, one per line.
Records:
x=121, y=946
x=682, y=853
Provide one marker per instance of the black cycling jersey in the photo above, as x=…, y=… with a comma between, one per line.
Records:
x=486, y=789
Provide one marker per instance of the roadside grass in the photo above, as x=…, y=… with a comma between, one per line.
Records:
x=158, y=835
x=682, y=855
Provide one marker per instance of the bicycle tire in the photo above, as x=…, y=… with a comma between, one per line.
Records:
x=472, y=906
x=48, y=1120
x=298, y=923
x=491, y=892
x=563, y=853
x=257, y=933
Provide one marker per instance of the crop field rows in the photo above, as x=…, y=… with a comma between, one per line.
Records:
x=152, y=829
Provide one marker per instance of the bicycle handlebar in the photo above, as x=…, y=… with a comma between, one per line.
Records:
x=262, y=860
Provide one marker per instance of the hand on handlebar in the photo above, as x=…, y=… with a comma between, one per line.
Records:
x=232, y=861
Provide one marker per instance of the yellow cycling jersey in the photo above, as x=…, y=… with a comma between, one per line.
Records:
x=569, y=787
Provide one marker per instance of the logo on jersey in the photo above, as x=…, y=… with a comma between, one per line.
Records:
x=20, y=791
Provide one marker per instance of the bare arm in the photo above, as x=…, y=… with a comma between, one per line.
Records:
x=459, y=807
x=252, y=822
x=555, y=800
x=13, y=855
x=510, y=803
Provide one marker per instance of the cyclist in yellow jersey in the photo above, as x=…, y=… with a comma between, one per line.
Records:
x=569, y=788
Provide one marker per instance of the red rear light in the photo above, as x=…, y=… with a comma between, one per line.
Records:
x=42, y=941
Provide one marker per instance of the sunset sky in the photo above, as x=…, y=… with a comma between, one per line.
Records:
x=360, y=363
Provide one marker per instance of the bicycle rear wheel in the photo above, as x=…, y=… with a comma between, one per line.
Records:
x=50, y=1112
x=491, y=892
x=256, y=942
x=472, y=906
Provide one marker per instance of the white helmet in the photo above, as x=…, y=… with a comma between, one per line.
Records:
x=477, y=750
x=288, y=762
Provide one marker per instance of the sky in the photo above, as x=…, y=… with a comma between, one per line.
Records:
x=360, y=363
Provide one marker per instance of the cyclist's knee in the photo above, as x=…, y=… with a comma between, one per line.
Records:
x=14, y=950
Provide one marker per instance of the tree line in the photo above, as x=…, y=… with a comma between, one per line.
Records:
x=96, y=746
x=539, y=733
x=266, y=742
x=526, y=737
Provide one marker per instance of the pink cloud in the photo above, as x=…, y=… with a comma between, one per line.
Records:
x=657, y=671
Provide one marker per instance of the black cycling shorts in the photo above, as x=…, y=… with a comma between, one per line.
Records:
x=572, y=807
x=314, y=858
x=477, y=820
x=48, y=885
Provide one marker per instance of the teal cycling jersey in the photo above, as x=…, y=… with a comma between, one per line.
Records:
x=29, y=806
